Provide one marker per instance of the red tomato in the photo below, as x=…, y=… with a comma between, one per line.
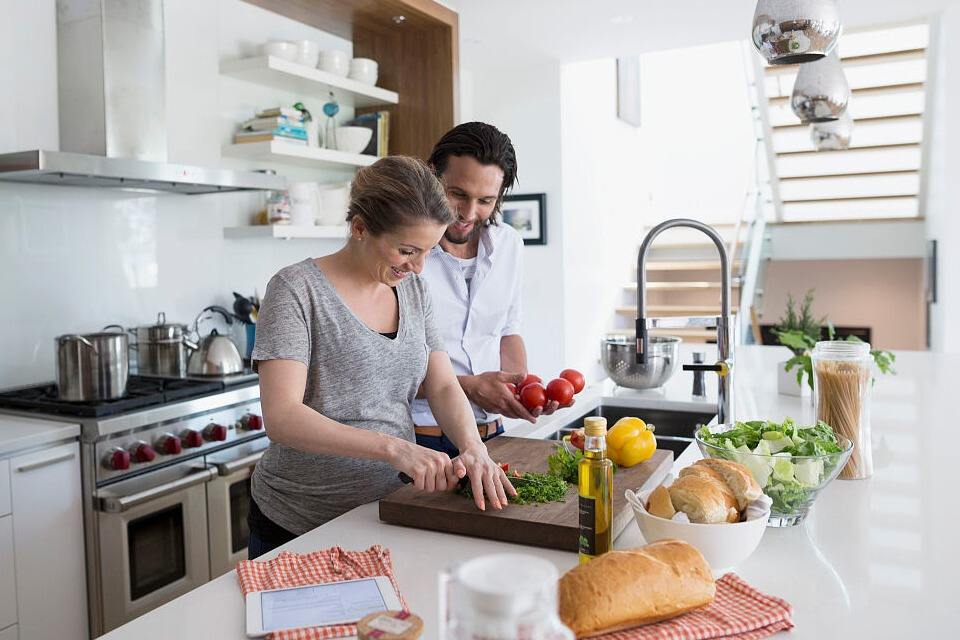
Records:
x=505, y=466
x=560, y=390
x=512, y=388
x=575, y=378
x=533, y=396
x=530, y=379
x=578, y=438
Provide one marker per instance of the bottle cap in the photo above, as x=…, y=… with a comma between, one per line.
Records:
x=595, y=426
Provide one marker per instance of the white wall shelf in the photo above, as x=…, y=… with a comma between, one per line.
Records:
x=306, y=81
x=285, y=232
x=298, y=155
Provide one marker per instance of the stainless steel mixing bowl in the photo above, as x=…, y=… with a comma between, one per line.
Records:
x=619, y=356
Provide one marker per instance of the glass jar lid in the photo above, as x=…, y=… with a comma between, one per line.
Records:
x=841, y=349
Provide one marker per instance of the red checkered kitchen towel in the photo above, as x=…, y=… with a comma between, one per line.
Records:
x=300, y=569
x=739, y=612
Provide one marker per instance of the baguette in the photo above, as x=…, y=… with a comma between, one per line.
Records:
x=701, y=499
x=714, y=478
x=659, y=503
x=624, y=589
x=737, y=477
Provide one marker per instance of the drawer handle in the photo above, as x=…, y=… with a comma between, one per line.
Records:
x=119, y=504
x=30, y=466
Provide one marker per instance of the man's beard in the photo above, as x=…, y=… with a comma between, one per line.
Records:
x=464, y=239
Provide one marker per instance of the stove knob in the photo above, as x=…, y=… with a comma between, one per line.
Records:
x=169, y=444
x=215, y=432
x=143, y=452
x=192, y=438
x=118, y=460
x=252, y=421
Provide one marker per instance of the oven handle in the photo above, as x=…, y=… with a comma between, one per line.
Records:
x=113, y=504
x=228, y=468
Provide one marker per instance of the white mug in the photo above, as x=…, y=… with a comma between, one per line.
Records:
x=334, y=201
x=304, y=203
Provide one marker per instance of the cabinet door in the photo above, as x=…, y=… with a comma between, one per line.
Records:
x=10, y=633
x=48, y=535
x=8, y=586
x=4, y=488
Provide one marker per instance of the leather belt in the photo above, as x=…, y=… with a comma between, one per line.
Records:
x=486, y=429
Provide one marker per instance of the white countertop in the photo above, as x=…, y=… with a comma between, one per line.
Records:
x=875, y=559
x=20, y=433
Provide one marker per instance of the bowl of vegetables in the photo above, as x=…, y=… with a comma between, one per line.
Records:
x=791, y=463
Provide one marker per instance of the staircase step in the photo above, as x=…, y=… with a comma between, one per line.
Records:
x=686, y=265
x=656, y=310
x=663, y=285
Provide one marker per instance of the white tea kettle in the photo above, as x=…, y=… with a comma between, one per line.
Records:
x=305, y=205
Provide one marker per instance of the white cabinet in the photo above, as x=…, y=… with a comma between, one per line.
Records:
x=4, y=489
x=10, y=633
x=8, y=585
x=48, y=537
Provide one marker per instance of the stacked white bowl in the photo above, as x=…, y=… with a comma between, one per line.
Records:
x=363, y=70
x=335, y=62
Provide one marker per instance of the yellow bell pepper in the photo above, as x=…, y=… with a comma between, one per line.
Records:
x=630, y=441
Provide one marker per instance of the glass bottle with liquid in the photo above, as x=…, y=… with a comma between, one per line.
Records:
x=596, y=491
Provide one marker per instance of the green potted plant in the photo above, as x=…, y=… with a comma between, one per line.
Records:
x=799, y=332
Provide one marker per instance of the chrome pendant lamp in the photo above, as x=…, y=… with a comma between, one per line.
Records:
x=820, y=92
x=795, y=31
x=833, y=136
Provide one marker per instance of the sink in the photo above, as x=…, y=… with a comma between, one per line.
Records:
x=674, y=429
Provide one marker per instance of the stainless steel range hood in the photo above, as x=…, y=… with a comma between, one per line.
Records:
x=112, y=99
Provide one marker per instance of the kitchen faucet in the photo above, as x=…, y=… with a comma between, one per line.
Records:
x=723, y=323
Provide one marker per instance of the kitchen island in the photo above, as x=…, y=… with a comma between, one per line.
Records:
x=875, y=559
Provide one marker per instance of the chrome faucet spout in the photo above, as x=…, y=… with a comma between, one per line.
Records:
x=723, y=323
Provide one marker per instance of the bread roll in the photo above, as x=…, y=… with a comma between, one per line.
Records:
x=624, y=589
x=659, y=504
x=737, y=477
x=701, y=499
x=714, y=477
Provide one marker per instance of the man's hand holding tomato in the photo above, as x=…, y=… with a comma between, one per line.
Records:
x=491, y=392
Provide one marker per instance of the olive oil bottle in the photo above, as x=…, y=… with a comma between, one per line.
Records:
x=596, y=491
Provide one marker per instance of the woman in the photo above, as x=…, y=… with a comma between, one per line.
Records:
x=344, y=342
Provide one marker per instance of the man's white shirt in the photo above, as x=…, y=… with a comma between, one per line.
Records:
x=475, y=305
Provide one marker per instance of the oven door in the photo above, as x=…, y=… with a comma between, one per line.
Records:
x=153, y=540
x=228, y=503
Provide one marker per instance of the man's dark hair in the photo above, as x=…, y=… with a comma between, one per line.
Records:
x=482, y=142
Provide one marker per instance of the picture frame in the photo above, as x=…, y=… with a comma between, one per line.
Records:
x=527, y=213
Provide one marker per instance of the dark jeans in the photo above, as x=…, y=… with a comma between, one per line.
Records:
x=265, y=534
x=443, y=443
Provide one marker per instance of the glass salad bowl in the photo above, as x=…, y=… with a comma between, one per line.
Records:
x=792, y=464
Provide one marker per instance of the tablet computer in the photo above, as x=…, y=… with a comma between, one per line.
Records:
x=318, y=605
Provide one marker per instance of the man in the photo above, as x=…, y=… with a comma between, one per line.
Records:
x=474, y=276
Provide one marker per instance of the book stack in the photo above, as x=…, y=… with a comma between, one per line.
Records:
x=280, y=123
x=379, y=123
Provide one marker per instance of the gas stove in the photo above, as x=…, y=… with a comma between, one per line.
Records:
x=165, y=475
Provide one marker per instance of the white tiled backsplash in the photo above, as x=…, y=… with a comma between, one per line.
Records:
x=74, y=260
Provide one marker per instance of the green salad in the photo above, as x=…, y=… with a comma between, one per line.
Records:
x=789, y=474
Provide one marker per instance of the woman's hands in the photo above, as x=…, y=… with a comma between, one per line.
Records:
x=487, y=479
x=431, y=470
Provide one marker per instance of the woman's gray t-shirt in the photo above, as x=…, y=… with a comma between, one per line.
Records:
x=355, y=376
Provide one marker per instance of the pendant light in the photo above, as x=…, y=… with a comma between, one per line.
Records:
x=795, y=31
x=834, y=135
x=820, y=92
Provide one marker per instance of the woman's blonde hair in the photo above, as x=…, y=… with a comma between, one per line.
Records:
x=397, y=191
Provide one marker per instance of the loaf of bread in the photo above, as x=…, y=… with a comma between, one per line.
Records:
x=702, y=500
x=624, y=589
x=659, y=504
x=714, y=478
x=737, y=477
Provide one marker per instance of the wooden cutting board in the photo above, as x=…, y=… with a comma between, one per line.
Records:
x=553, y=525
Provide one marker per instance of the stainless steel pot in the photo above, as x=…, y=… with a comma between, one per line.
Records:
x=92, y=367
x=619, y=356
x=163, y=349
